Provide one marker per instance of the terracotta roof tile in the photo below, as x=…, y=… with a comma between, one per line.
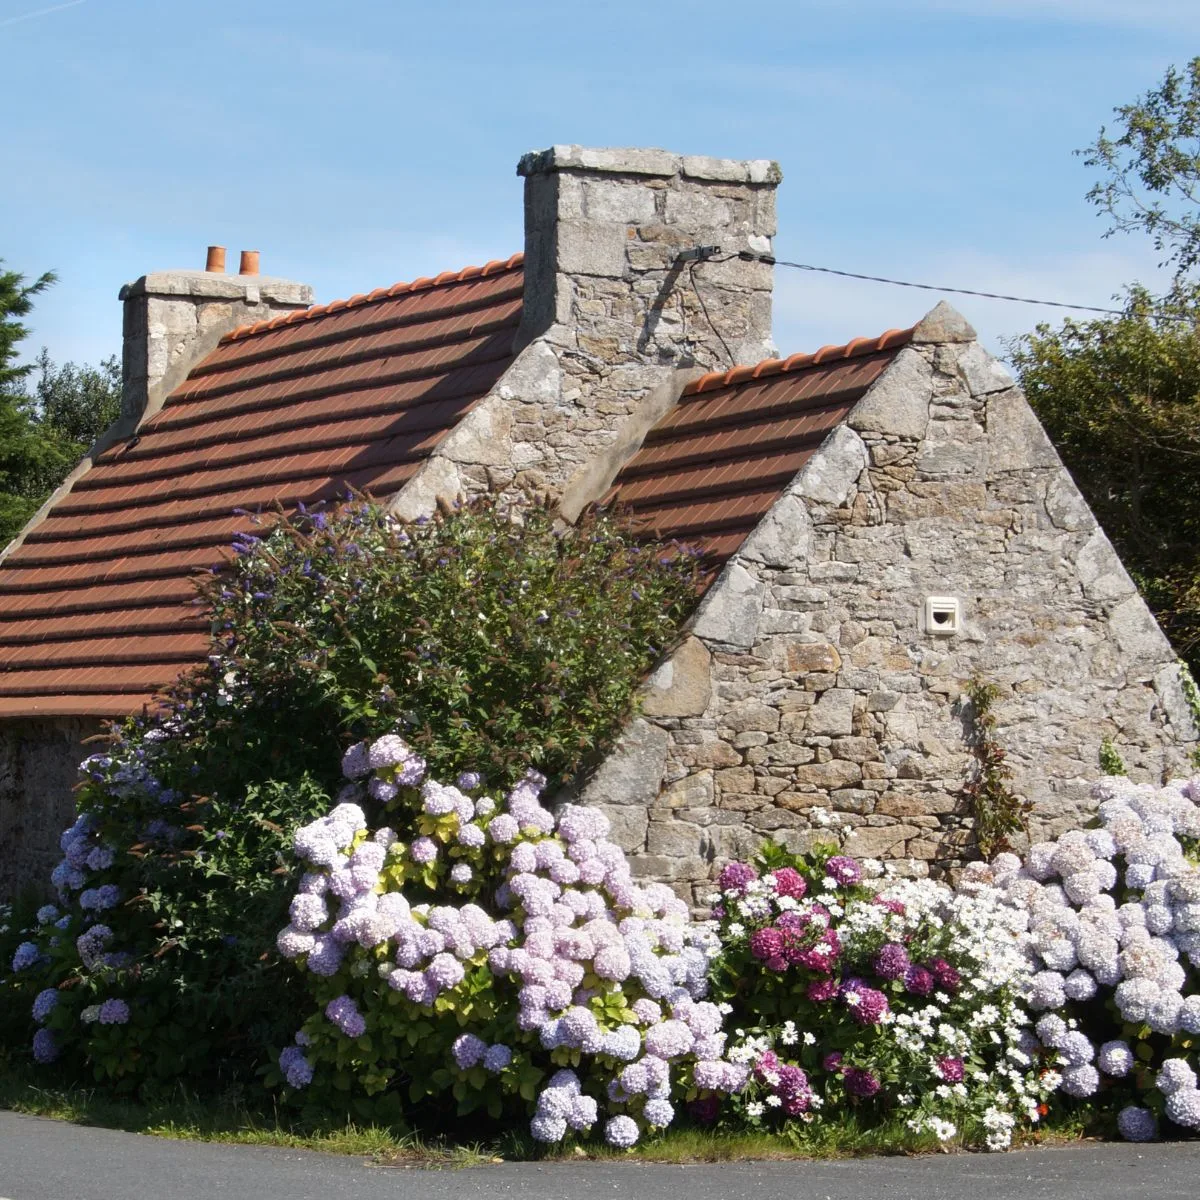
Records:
x=97, y=604
x=713, y=466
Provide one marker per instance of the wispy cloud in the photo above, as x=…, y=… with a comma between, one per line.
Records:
x=40, y=12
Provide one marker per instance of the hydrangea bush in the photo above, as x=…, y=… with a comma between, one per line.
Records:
x=856, y=991
x=1112, y=935
x=487, y=634
x=496, y=955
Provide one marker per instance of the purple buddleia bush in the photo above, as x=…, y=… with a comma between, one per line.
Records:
x=1112, y=936
x=500, y=953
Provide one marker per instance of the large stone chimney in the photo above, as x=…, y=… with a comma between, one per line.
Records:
x=174, y=318
x=634, y=285
x=604, y=232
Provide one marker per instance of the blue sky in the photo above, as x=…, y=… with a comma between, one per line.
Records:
x=357, y=144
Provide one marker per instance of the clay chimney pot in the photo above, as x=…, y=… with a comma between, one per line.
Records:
x=249, y=265
x=216, y=259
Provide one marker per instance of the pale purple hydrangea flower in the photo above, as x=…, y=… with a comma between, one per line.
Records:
x=26, y=955
x=297, y=1070
x=497, y=1057
x=343, y=1012
x=1115, y=1059
x=423, y=850
x=1137, y=1124
x=45, y=1047
x=468, y=781
x=114, y=1012
x=621, y=1131
x=461, y=874
x=1183, y=1107
x=356, y=761
x=468, y=1050
x=44, y=1004
x=1175, y=1075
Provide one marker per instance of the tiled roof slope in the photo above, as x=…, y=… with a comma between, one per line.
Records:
x=95, y=609
x=713, y=466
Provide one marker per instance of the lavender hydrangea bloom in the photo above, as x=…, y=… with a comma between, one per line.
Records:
x=423, y=850
x=44, y=1004
x=621, y=1131
x=356, y=761
x=1115, y=1059
x=114, y=1012
x=497, y=1057
x=26, y=955
x=1175, y=1075
x=468, y=1050
x=343, y=1012
x=387, y=751
x=45, y=1048
x=468, y=781
x=297, y=1070
x=1183, y=1107
x=892, y=961
x=1137, y=1124
x=845, y=870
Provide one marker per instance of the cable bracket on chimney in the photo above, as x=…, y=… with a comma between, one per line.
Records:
x=697, y=254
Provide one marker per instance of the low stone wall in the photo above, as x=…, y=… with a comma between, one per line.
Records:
x=809, y=678
x=39, y=759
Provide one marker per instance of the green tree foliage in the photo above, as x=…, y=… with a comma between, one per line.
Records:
x=49, y=415
x=1121, y=400
x=1120, y=397
x=1152, y=168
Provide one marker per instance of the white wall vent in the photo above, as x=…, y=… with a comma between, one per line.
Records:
x=943, y=615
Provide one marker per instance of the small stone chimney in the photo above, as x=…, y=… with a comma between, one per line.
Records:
x=604, y=230
x=174, y=318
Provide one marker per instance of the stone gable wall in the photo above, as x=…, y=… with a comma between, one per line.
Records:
x=39, y=767
x=809, y=680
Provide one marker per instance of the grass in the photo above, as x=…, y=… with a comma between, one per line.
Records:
x=187, y=1117
x=231, y=1121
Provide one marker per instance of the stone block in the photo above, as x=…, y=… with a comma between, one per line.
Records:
x=629, y=826
x=783, y=537
x=803, y=657
x=1100, y=570
x=943, y=323
x=617, y=201
x=982, y=374
x=692, y=791
x=828, y=775
x=831, y=475
x=751, y=714
x=735, y=779
x=730, y=611
x=589, y=248
x=633, y=772
x=898, y=401
x=1016, y=439
x=879, y=842
x=676, y=839
x=833, y=713
x=682, y=685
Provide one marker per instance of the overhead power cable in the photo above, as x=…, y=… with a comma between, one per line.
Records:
x=708, y=254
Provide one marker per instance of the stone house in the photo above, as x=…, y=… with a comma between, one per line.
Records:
x=885, y=519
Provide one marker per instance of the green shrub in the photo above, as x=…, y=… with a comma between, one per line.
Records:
x=488, y=638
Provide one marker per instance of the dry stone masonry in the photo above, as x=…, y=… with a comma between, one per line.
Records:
x=811, y=677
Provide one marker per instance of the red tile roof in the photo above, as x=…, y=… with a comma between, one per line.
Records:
x=713, y=466
x=95, y=610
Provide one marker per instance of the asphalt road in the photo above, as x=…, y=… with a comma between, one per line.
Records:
x=51, y=1160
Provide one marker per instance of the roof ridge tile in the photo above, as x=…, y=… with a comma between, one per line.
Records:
x=798, y=362
x=424, y=283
